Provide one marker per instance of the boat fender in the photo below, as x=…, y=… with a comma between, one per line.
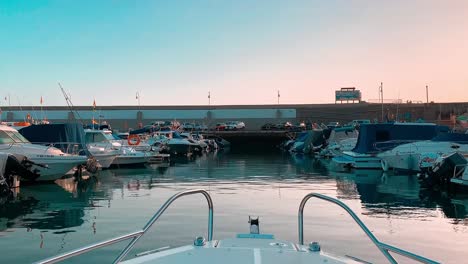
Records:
x=133, y=140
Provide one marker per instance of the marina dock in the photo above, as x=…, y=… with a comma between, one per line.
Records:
x=245, y=138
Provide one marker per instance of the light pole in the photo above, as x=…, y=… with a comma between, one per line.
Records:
x=427, y=94
x=209, y=98
x=279, y=96
x=381, y=98
x=138, y=99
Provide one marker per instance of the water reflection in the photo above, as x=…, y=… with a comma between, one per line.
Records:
x=49, y=206
x=383, y=193
x=118, y=201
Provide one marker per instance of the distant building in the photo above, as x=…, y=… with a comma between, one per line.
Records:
x=348, y=94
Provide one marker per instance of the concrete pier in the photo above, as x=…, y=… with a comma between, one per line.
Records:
x=252, y=138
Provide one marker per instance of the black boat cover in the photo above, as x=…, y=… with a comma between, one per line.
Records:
x=67, y=137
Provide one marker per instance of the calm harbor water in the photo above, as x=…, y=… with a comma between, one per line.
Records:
x=46, y=220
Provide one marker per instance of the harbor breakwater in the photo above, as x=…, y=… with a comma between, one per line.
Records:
x=254, y=116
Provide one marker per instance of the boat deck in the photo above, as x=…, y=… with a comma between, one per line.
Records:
x=241, y=250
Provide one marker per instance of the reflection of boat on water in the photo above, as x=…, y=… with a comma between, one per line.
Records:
x=306, y=165
x=46, y=206
x=49, y=206
x=399, y=195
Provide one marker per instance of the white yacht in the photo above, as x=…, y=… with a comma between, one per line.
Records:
x=125, y=155
x=417, y=155
x=55, y=163
x=253, y=247
x=377, y=138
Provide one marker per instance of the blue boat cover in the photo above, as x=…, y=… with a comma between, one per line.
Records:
x=61, y=135
x=373, y=137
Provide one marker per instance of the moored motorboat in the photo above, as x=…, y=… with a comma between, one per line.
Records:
x=377, y=138
x=341, y=139
x=411, y=157
x=69, y=138
x=176, y=144
x=51, y=163
x=126, y=156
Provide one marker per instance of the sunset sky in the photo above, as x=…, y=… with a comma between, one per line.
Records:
x=243, y=52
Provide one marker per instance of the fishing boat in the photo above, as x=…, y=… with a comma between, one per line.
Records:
x=377, y=138
x=50, y=162
x=253, y=247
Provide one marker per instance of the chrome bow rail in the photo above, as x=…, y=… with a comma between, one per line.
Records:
x=384, y=248
x=136, y=235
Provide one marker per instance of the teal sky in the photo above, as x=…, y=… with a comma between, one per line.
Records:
x=174, y=52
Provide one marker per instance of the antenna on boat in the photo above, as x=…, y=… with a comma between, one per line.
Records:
x=70, y=104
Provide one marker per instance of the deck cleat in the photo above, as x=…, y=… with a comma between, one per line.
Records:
x=314, y=246
x=199, y=241
x=254, y=225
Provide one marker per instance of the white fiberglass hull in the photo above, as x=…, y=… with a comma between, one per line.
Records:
x=155, y=158
x=57, y=167
x=104, y=160
x=58, y=164
x=241, y=250
x=358, y=161
x=413, y=156
x=129, y=159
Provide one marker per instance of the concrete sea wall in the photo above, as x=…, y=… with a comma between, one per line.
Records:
x=125, y=117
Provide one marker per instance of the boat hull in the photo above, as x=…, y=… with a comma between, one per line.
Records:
x=358, y=161
x=129, y=159
x=104, y=160
x=57, y=167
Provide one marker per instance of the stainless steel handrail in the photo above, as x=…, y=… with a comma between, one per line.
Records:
x=384, y=248
x=138, y=234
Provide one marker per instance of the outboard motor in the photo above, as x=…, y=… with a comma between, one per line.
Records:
x=10, y=167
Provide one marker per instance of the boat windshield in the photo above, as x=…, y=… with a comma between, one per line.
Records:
x=98, y=137
x=9, y=137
